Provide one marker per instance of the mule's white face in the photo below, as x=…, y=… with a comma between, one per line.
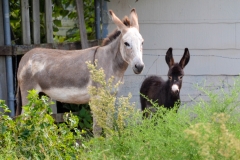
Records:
x=132, y=41
x=131, y=49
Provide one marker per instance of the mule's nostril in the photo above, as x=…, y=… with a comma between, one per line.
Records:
x=139, y=67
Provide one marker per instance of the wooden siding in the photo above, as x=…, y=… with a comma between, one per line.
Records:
x=210, y=29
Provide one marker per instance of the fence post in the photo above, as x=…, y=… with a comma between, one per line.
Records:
x=49, y=22
x=36, y=21
x=49, y=29
x=25, y=22
x=81, y=23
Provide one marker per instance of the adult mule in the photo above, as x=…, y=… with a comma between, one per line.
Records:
x=166, y=93
x=64, y=76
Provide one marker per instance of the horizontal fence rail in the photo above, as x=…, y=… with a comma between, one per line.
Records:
x=22, y=49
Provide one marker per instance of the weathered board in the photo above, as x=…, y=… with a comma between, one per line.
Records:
x=25, y=21
x=22, y=49
x=36, y=21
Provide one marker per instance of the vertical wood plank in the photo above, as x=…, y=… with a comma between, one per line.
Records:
x=49, y=29
x=49, y=22
x=25, y=22
x=1, y=26
x=81, y=23
x=3, y=82
x=36, y=21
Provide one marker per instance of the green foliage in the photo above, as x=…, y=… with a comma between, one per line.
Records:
x=206, y=130
x=214, y=140
x=61, y=9
x=110, y=117
x=34, y=135
x=15, y=21
x=83, y=113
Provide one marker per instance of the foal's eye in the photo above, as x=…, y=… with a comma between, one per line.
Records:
x=127, y=44
x=170, y=77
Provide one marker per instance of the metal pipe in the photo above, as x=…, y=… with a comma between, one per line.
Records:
x=104, y=18
x=9, y=66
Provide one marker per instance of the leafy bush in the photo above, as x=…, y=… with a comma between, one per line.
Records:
x=34, y=135
x=83, y=112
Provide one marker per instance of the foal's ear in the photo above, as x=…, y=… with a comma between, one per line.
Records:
x=185, y=59
x=169, y=58
x=134, y=19
x=118, y=22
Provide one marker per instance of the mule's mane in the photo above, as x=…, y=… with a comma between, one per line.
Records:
x=115, y=33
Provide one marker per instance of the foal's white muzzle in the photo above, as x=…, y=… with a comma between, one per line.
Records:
x=175, y=89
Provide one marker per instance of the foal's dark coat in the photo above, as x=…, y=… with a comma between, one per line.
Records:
x=166, y=93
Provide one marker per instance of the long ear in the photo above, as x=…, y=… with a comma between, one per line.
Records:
x=134, y=19
x=117, y=21
x=169, y=58
x=185, y=59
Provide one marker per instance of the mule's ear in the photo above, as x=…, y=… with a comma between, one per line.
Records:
x=134, y=19
x=117, y=21
x=185, y=59
x=169, y=58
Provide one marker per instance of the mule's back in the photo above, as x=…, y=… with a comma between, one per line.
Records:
x=57, y=73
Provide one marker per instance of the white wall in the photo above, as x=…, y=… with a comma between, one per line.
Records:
x=209, y=28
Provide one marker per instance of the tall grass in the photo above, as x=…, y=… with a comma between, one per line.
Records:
x=206, y=130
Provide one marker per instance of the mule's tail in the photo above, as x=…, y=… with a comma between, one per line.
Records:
x=19, y=102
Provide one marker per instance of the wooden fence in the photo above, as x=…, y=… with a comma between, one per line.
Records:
x=15, y=50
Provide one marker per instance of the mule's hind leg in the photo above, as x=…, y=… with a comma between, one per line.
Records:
x=24, y=88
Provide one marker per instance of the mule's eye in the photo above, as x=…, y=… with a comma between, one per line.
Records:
x=170, y=77
x=127, y=44
x=180, y=77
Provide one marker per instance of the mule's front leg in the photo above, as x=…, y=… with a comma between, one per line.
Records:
x=97, y=130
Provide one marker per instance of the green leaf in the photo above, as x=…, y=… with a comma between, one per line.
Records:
x=55, y=29
x=64, y=13
x=89, y=30
x=57, y=22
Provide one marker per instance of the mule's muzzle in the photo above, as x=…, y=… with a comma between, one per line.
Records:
x=138, y=68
